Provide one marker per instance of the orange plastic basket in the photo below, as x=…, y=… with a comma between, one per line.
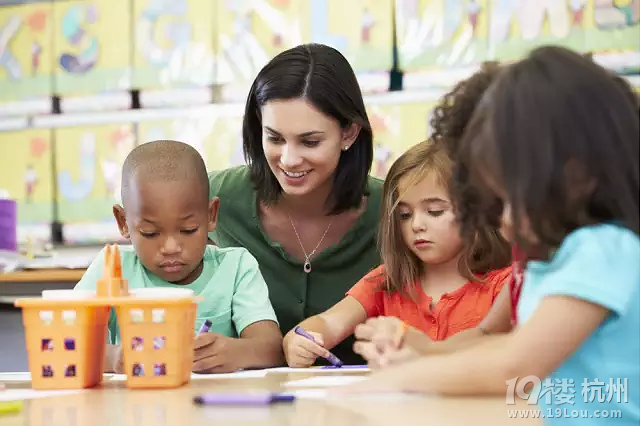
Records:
x=66, y=339
x=65, y=342
x=157, y=337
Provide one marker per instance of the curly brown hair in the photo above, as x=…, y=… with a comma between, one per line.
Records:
x=475, y=209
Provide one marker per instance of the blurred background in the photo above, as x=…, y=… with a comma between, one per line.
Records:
x=84, y=81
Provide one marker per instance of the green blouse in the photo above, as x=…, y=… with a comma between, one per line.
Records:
x=294, y=294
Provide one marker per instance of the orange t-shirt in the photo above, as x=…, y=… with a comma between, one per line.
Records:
x=459, y=310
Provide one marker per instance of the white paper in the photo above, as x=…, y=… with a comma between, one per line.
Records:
x=22, y=394
x=325, y=381
x=317, y=370
x=249, y=374
x=327, y=395
x=244, y=374
x=15, y=377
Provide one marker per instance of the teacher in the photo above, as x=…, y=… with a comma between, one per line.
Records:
x=305, y=205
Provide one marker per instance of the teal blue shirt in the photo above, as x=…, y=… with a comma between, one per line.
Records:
x=233, y=290
x=598, y=264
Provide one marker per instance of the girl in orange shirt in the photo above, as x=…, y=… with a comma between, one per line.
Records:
x=433, y=278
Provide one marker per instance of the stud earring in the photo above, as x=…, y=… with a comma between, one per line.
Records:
x=346, y=147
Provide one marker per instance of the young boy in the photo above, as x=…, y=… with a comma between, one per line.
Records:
x=166, y=214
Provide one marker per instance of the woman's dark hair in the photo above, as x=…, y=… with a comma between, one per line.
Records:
x=321, y=75
x=559, y=136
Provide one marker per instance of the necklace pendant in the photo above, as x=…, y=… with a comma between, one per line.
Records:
x=307, y=267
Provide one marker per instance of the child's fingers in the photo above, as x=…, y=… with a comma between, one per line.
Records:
x=300, y=358
x=393, y=357
x=207, y=364
x=318, y=338
x=367, y=350
x=312, y=347
x=306, y=358
x=204, y=339
x=364, y=331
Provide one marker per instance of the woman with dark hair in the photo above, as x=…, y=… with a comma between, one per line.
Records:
x=305, y=205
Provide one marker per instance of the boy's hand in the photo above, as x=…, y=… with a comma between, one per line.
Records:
x=114, y=362
x=215, y=353
x=301, y=352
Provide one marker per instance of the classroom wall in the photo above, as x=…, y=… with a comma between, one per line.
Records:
x=80, y=52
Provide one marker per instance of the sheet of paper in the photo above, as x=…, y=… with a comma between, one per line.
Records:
x=327, y=395
x=245, y=374
x=324, y=381
x=22, y=394
x=20, y=376
x=322, y=370
x=249, y=374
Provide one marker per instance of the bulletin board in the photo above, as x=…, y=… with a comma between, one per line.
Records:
x=26, y=43
x=612, y=25
x=218, y=139
x=441, y=33
x=174, y=43
x=228, y=148
x=92, y=46
x=27, y=174
x=396, y=128
x=518, y=26
x=250, y=33
x=362, y=30
x=88, y=166
x=582, y=25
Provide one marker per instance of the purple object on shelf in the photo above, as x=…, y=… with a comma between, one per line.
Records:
x=8, y=225
x=242, y=398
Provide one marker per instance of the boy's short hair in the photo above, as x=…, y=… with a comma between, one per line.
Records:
x=165, y=160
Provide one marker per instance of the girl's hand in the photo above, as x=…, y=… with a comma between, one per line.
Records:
x=377, y=358
x=384, y=332
x=301, y=352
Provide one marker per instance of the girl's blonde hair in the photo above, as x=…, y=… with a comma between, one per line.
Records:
x=483, y=252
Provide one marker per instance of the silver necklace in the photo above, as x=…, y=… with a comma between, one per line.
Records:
x=307, y=266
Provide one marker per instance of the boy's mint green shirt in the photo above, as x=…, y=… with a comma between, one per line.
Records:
x=233, y=290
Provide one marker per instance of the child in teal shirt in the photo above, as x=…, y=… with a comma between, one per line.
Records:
x=166, y=214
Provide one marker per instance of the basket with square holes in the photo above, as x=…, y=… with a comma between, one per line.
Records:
x=66, y=333
x=157, y=336
x=65, y=341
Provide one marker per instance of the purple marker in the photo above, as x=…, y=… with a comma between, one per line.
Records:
x=331, y=357
x=242, y=398
x=353, y=367
x=205, y=327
